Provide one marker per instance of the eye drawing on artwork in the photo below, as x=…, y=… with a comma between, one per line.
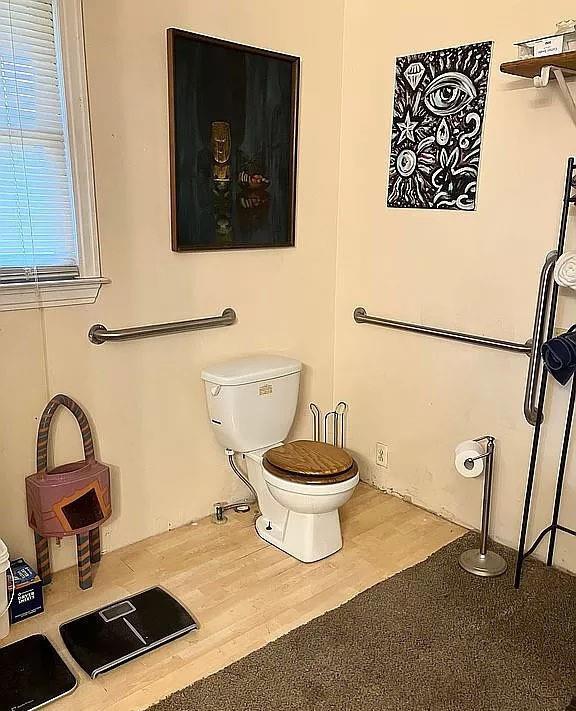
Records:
x=449, y=93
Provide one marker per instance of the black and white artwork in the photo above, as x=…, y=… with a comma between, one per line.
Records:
x=439, y=102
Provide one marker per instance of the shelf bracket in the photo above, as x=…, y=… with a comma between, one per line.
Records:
x=541, y=80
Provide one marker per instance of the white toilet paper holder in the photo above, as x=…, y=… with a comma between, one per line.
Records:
x=481, y=561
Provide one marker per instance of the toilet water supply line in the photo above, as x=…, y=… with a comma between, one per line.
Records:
x=239, y=506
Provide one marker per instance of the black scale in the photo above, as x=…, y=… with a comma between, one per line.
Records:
x=113, y=635
x=32, y=675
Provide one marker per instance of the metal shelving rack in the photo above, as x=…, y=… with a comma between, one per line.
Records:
x=523, y=552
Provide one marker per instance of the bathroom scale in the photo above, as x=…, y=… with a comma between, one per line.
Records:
x=113, y=635
x=32, y=674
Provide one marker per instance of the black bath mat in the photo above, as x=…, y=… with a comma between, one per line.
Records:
x=125, y=629
x=32, y=674
x=432, y=638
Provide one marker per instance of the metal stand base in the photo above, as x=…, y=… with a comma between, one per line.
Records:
x=489, y=565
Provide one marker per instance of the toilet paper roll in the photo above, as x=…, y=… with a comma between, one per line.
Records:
x=465, y=451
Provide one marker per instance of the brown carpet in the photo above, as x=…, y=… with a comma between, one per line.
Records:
x=432, y=638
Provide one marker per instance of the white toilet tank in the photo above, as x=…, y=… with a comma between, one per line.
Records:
x=252, y=401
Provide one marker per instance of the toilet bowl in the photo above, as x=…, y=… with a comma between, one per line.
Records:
x=310, y=498
x=299, y=510
x=299, y=485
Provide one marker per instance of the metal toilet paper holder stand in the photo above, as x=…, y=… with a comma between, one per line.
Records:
x=481, y=561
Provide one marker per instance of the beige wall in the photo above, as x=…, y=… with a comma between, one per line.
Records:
x=23, y=392
x=146, y=397
x=473, y=272
x=420, y=396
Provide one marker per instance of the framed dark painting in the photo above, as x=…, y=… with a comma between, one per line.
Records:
x=233, y=142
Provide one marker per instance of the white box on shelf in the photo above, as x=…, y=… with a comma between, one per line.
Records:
x=563, y=40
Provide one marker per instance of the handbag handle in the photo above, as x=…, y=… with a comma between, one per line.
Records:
x=44, y=431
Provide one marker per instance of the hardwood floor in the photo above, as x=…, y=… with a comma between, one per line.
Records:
x=244, y=592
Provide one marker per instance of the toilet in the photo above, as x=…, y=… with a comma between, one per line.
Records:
x=300, y=485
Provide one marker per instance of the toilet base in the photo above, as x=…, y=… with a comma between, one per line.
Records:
x=307, y=537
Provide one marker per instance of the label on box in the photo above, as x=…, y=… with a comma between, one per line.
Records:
x=548, y=46
x=28, y=596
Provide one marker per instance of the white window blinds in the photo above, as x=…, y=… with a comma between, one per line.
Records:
x=37, y=221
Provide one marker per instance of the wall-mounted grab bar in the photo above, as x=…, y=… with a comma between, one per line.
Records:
x=531, y=348
x=100, y=334
x=531, y=392
x=360, y=316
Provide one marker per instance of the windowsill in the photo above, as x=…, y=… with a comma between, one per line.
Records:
x=39, y=295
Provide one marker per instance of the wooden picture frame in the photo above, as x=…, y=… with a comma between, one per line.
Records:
x=233, y=113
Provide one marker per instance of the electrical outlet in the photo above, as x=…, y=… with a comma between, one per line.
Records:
x=382, y=455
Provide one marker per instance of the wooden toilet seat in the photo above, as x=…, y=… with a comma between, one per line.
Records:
x=308, y=462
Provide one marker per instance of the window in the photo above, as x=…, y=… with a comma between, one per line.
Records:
x=48, y=236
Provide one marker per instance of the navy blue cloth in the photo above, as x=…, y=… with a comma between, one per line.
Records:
x=559, y=355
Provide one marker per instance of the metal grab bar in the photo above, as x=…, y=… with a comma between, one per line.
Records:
x=531, y=348
x=530, y=394
x=100, y=334
x=360, y=316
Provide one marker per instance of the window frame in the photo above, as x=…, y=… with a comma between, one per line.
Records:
x=84, y=289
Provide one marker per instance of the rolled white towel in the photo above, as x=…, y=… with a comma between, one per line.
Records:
x=565, y=270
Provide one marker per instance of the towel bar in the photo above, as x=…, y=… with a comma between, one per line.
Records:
x=100, y=334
